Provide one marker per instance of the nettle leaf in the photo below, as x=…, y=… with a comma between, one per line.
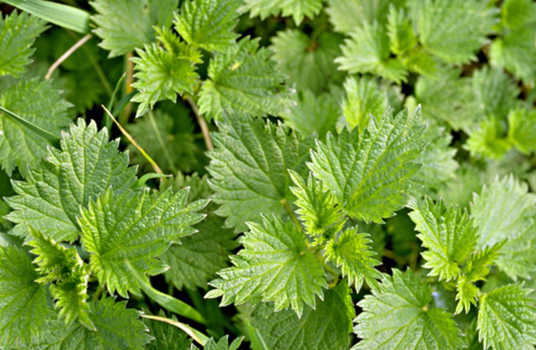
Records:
x=371, y=174
x=346, y=15
x=308, y=62
x=438, y=163
x=42, y=105
x=495, y=92
x=399, y=315
x=448, y=97
x=65, y=270
x=208, y=23
x=24, y=306
x=198, y=257
x=242, y=80
x=506, y=318
x=275, y=265
x=249, y=168
x=298, y=9
x=313, y=115
x=117, y=328
x=317, y=209
x=164, y=70
x=513, y=50
x=448, y=235
x=522, y=129
x=354, y=254
x=453, y=30
x=123, y=25
x=124, y=234
x=363, y=99
x=368, y=51
x=221, y=344
x=517, y=225
x=18, y=32
x=85, y=166
x=326, y=327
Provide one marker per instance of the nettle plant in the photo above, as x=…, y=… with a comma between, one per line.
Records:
x=294, y=174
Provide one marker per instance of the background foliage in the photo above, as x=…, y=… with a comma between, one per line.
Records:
x=281, y=174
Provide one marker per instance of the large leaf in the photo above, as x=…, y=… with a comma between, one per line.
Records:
x=275, y=265
x=124, y=234
x=86, y=165
x=249, y=168
x=326, y=327
x=242, y=79
x=399, y=315
x=372, y=174
x=208, y=23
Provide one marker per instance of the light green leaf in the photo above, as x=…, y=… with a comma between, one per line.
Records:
x=371, y=175
x=127, y=232
x=448, y=234
x=242, y=80
x=17, y=35
x=495, y=92
x=346, y=15
x=50, y=198
x=399, y=315
x=400, y=31
x=506, y=318
x=367, y=51
x=275, y=265
x=317, y=209
x=42, y=106
x=453, y=30
x=505, y=211
x=514, y=49
x=24, y=306
x=326, y=327
x=221, y=344
x=363, y=99
x=249, y=168
x=298, y=9
x=353, y=253
x=208, y=23
x=522, y=129
x=165, y=70
x=68, y=277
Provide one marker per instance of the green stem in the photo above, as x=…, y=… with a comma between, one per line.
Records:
x=285, y=205
x=161, y=142
x=166, y=301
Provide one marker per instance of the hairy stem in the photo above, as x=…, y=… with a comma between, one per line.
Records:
x=67, y=54
x=123, y=118
x=202, y=123
x=196, y=335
